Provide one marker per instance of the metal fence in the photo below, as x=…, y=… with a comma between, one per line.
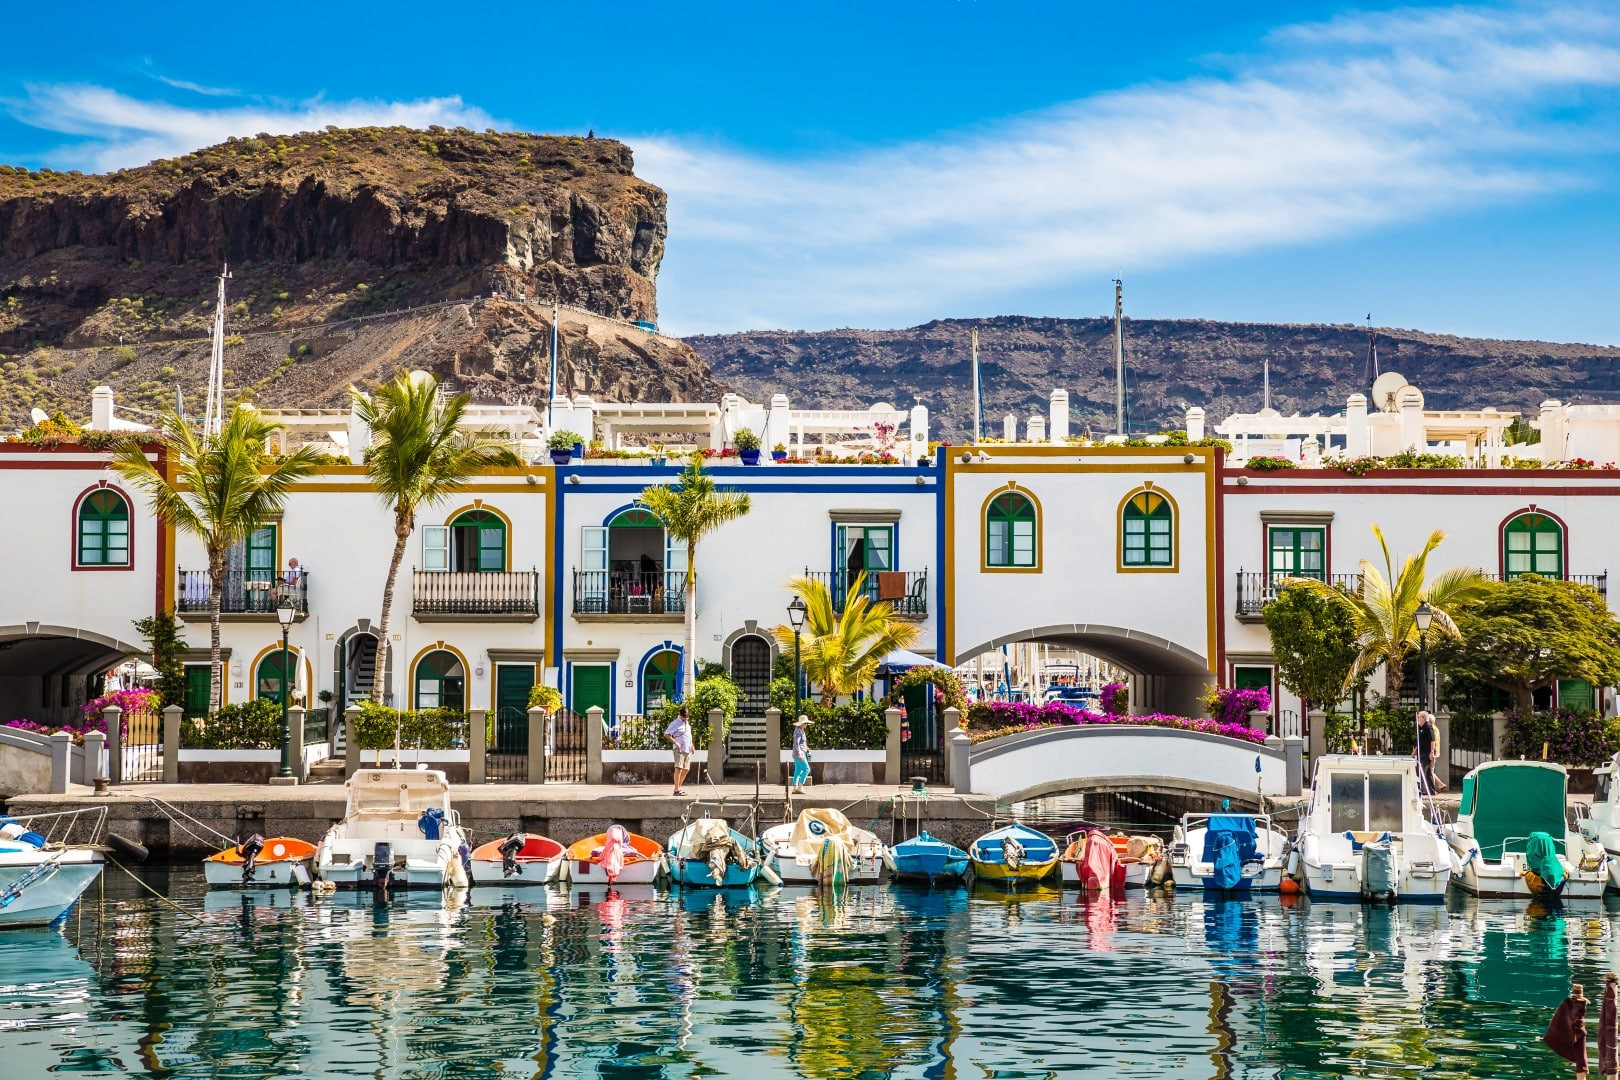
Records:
x=511, y=592
x=317, y=726
x=244, y=591
x=1472, y=742
x=1255, y=590
x=141, y=751
x=565, y=747
x=506, y=757
x=904, y=590
x=629, y=592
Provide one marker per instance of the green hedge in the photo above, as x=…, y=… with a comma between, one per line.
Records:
x=250, y=725
x=425, y=729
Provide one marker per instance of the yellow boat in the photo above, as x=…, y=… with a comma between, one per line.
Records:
x=1013, y=854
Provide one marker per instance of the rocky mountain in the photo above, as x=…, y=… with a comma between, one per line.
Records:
x=1172, y=364
x=352, y=252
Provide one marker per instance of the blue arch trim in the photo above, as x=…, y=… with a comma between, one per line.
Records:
x=641, y=670
x=616, y=511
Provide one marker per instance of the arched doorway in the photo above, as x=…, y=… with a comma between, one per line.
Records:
x=276, y=673
x=439, y=682
x=48, y=672
x=356, y=666
x=660, y=679
x=629, y=565
x=751, y=671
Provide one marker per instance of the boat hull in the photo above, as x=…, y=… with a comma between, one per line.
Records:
x=640, y=872
x=697, y=874
x=49, y=897
x=1001, y=874
x=526, y=872
x=929, y=867
x=1343, y=882
x=1504, y=881
x=1136, y=873
x=863, y=870
x=1268, y=878
x=439, y=867
x=277, y=874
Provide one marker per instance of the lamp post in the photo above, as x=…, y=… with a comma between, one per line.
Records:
x=1423, y=617
x=284, y=615
x=796, y=614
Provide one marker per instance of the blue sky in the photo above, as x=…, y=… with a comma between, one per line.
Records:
x=1445, y=167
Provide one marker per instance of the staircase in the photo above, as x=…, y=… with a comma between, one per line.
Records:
x=362, y=666
x=745, y=744
x=326, y=772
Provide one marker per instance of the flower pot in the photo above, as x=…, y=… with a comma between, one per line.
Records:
x=778, y=455
x=749, y=457
x=561, y=457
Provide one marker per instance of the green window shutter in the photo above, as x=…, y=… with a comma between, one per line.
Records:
x=270, y=681
x=198, y=683
x=1533, y=544
x=1298, y=553
x=1010, y=531
x=478, y=542
x=440, y=681
x=103, y=530
x=261, y=554
x=1576, y=694
x=1147, y=531
x=660, y=676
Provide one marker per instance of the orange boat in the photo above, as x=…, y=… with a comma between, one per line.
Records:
x=617, y=856
x=278, y=863
x=520, y=859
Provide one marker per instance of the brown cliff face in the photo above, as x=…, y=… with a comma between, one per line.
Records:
x=110, y=278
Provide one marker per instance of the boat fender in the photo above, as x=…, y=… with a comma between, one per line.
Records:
x=249, y=850
x=1293, y=865
x=769, y=873
x=509, y=852
x=969, y=876
x=12, y=829
x=125, y=846
x=1288, y=887
x=466, y=859
x=300, y=875
x=888, y=860
x=1160, y=872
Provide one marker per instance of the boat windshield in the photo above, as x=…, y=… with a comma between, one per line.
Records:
x=396, y=797
x=1348, y=792
x=1366, y=802
x=1600, y=793
x=1384, y=803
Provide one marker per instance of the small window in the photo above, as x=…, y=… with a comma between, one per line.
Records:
x=103, y=529
x=1297, y=552
x=478, y=542
x=441, y=683
x=1349, y=794
x=1147, y=531
x=1009, y=531
x=1532, y=544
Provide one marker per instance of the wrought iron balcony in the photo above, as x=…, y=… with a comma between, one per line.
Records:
x=629, y=592
x=245, y=592
x=1600, y=582
x=904, y=590
x=440, y=595
x=1256, y=590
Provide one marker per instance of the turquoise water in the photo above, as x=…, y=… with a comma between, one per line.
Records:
x=889, y=982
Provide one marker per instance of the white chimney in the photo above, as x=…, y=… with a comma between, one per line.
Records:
x=101, y=408
x=1059, y=411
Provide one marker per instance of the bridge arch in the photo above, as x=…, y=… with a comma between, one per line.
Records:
x=46, y=670
x=1170, y=677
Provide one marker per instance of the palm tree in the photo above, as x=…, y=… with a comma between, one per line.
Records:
x=418, y=456
x=691, y=510
x=845, y=646
x=218, y=489
x=1383, y=612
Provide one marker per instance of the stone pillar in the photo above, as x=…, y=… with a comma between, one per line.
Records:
x=1414, y=434
x=351, y=741
x=891, y=749
x=1552, y=431
x=773, y=748
x=539, y=727
x=94, y=743
x=1442, y=740
x=1498, y=736
x=62, y=762
x=717, y=746
x=593, y=745
x=115, y=743
x=1009, y=427
x=1356, y=439
x=295, y=735
x=477, y=745
x=1294, y=764
x=1318, y=736
x=1195, y=424
x=961, y=748
x=172, y=715
x=1261, y=721
x=1037, y=429
x=1058, y=412
x=953, y=721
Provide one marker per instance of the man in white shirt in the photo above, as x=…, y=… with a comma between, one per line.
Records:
x=679, y=734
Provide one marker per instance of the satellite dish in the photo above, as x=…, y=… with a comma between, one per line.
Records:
x=38, y=416
x=1384, y=389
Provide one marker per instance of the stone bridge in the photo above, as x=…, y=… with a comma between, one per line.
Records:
x=1120, y=757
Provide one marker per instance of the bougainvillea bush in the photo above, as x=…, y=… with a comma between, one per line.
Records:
x=1231, y=705
x=994, y=719
x=137, y=700
x=1115, y=699
x=1571, y=737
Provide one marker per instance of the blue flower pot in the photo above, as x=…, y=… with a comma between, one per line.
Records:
x=749, y=457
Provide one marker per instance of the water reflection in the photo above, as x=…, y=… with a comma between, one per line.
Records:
x=880, y=981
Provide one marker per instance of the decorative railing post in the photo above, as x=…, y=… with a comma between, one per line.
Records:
x=112, y=717
x=717, y=746
x=477, y=745
x=1293, y=765
x=1260, y=720
x=172, y=715
x=593, y=745
x=773, y=747
x=539, y=725
x=61, y=761
x=953, y=724
x=351, y=741
x=1498, y=736
x=94, y=744
x=1318, y=735
x=891, y=749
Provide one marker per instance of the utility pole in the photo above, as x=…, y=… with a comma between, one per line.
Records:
x=1119, y=357
x=551, y=389
x=978, y=398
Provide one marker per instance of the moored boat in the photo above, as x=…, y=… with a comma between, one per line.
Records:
x=1368, y=833
x=706, y=853
x=924, y=857
x=1599, y=823
x=821, y=847
x=398, y=830
x=1139, y=856
x=1091, y=861
x=40, y=881
x=277, y=863
x=1228, y=853
x=1013, y=854
x=615, y=857
x=520, y=859
x=1512, y=836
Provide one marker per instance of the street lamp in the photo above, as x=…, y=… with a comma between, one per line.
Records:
x=284, y=615
x=796, y=614
x=1423, y=617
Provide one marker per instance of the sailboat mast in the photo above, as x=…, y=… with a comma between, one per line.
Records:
x=214, y=409
x=1268, y=383
x=1119, y=357
x=551, y=391
x=978, y=397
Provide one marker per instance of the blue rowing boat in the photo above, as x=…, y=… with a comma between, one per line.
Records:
x=924, y=856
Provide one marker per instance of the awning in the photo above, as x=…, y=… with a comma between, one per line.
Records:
x=903, y=660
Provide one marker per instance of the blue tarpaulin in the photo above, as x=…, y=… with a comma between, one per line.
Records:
x=1228, y=844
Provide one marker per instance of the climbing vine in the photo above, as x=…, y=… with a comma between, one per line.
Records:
x=950, y=692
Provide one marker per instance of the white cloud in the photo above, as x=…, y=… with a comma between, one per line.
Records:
x=115, y=130
x=1342, y=126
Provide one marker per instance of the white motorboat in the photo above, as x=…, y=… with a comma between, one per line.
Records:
x=1512, y=836
x=821, y=847
x=39, y=881
x=1228, y=852
x=1600, y=823
x=1368, y=833
x=397, y=830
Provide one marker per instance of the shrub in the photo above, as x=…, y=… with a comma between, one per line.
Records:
x=1570, y=737
x=713, y=692
x=425, y=729
x=545, y=697
x=745, y=439
x=562, y=440
x=994, y=719
x=948, y=690
x=131, y=701
x=1115, y=699
x=247, y=725
x=1269, y=464
x=1230, y=705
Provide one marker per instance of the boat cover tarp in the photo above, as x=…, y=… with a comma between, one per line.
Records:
x=1511, y=800
x=1229, y=842
x=1541, y=858
x=1101, y=868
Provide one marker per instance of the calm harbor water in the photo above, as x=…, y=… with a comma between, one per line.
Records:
x=888, y=982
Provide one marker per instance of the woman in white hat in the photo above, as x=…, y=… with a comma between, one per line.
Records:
x=801, y=753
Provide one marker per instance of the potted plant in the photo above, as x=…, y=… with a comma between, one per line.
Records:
x=658, y=453
x=779, y=452
x=747, y=444
x=561, y=444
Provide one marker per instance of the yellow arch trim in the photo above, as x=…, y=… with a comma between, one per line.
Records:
x=1152, y=492
x=984, y=531
x=479, y=504
x=410, y=672
x=253, y=674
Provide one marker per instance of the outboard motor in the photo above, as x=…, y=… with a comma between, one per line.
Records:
x=382, y=865
x=509, y=852
x=431, y=822
x=1378, y=870
x=249, y=850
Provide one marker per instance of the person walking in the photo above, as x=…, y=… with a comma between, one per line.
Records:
x=1427, y=749
x=801, y=753
x=679, y=734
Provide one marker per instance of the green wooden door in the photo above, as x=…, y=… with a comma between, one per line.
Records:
x=198, y=682
x=592, y=686
x=512, y=683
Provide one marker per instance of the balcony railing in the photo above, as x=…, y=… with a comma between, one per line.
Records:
x=1256, y=590
x=629, y=592
x=457, y=592
x=246, y=592
x=905, y=590
x=1600, y=582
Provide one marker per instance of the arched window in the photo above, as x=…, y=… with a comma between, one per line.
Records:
x=440, y=681
x=1147, y=527
x=478, y=542
x=660, y=679
x=103, y=529
x=1532, y=543
x=1010, y=531
x=276, y=675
